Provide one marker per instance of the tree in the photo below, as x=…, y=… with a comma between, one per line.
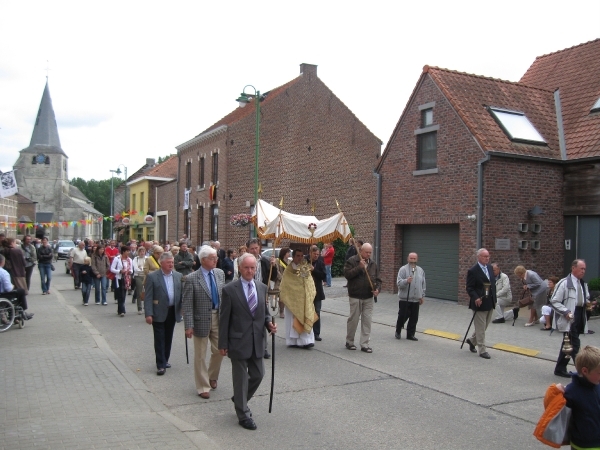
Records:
x=97, y=192
x=163, y=159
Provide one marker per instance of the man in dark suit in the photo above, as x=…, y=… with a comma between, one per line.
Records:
x=220, y=254
x=481, y=287
x=201, y=301
x=242, y=321
x=264, y=267
x=162, y=305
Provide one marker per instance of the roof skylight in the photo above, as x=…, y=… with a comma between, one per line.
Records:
x=517, y=126
x=596, y=106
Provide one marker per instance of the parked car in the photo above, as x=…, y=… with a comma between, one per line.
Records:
x=63, y=248
x=268, y=252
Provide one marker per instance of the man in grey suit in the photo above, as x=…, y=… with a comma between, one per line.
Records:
x=162, y=305
x=243, y=318
x=201, y=300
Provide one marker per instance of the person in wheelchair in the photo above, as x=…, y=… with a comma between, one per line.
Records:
x=7, y=290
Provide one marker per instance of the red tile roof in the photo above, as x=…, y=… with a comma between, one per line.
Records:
x=470, y=94
x=166, y=169
x=239, y=113
x=576, y=72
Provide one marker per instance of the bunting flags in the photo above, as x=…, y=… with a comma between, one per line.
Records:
x=72, y=223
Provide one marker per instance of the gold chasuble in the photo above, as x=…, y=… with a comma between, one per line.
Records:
x=297, y=292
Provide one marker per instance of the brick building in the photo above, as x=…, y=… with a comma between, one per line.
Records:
x=313, y=150
x=481, y=162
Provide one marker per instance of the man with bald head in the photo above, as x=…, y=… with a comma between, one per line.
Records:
x=411, y=292
x=363, y=283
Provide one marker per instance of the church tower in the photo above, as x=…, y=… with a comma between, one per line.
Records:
x=42, y=175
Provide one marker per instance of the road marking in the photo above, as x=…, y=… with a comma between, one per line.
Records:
x=515, y=349
x=443, y=334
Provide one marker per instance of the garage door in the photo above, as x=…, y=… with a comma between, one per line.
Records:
x=437, y=247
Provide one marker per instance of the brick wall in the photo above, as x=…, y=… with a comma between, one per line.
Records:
x=167, y=201
x=511, y=188
x=311, y=148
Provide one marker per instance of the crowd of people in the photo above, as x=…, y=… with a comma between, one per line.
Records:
x=223, y=299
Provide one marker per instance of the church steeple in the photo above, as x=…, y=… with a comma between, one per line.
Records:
x=45, y=130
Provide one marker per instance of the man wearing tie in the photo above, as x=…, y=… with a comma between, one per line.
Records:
x=243, y=318
x=162, y=305
x=411, y=292
x=201, y=301
x=481, y=287
x=570, y=297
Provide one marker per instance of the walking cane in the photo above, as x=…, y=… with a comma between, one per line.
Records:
x=187, y=356
x=470, y=323
x=272, y=368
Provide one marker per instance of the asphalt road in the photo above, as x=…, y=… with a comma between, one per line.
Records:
x=424, y=395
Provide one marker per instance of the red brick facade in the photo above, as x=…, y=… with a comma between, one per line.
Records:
x=313, y=150
x=511, y=187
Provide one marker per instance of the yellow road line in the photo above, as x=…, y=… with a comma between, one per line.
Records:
x=515, y=349
x=443, y=334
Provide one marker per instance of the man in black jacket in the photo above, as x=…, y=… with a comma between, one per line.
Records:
x=481, y=287
x=363, y=283
x=319, y=274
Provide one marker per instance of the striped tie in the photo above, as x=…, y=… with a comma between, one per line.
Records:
x=252, y=303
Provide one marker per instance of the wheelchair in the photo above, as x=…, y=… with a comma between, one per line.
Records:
x=11, y=311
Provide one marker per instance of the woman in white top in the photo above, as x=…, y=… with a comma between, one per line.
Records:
x=122, y=267
x=138, y=276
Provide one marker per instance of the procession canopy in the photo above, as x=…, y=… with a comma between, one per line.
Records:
x=276, y=224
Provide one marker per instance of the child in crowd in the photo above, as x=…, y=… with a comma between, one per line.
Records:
x=86, y=278
x=583, y=397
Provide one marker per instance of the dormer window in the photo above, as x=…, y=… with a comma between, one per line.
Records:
x=516, y=126
x=596, y=107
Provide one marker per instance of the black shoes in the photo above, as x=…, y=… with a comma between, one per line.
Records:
x=515, y=313
x=248, y=424
x=485, y=355
x=267, y=355
x=160, y=372
x=318, y=338
x=471, y=346
x=500, y=320
x=397, y=336
x=308, y=346
x=411, y=338
x=168, y=366
x=562, y=373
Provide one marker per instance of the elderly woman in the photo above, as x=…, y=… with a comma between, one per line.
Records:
x=546, y=318
x=151, y=264
x=538, y=288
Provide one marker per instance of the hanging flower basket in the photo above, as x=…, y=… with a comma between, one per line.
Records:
x=240, y=220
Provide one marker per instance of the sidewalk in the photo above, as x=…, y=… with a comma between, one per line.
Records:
x=63, y=387
x=447, y=319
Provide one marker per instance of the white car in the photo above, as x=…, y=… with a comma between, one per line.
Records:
x=63, y=248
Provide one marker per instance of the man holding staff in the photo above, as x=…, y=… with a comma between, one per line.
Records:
x=363, y=283
x=411, y=292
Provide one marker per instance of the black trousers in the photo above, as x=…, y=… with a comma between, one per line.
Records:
x=577, y=328
x=28, y=272
x=163, y=338
x=317, y=324
x=407, y=311
x=76, y=268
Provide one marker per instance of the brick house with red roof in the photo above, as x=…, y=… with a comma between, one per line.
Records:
x=313, y=151
x=481, y=162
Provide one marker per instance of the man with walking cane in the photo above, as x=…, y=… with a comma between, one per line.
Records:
x=411, y=292
x=481, y=287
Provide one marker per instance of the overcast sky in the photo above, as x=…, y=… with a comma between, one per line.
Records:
x=131, y=80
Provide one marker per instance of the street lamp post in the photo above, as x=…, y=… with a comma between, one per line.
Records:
x=243, y=100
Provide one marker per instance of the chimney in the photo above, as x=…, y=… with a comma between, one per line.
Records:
x=308, y=69
x=150, y=162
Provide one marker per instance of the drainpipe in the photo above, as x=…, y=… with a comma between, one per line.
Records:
x=378, y=218
x=480, y=199
x=559, y=124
